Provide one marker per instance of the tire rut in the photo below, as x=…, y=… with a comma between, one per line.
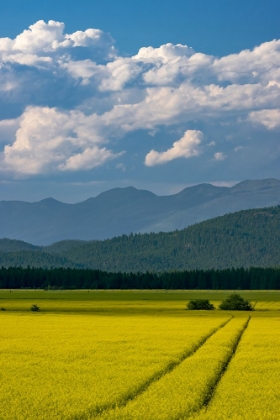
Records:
x=210, y=393
x=99, y=410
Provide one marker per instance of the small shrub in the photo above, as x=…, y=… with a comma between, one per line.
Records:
x=200, y=304
x=2, y=309
x=34, y=308
x=236, y=302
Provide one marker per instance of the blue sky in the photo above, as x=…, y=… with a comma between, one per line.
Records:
x=155, y=94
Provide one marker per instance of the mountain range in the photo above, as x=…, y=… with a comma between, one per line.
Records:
x=128, y=210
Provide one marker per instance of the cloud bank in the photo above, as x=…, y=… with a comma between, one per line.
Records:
x=69, y=100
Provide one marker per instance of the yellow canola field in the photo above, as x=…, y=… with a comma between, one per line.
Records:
x=184, y=390
x=67, y=366
x=250, y=388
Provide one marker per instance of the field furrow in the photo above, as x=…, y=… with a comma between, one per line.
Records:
x=211, y=391
x=130, y=396
x=186, y=389
x=250, y=387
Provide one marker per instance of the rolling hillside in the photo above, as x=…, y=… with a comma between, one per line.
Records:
x=241, y=239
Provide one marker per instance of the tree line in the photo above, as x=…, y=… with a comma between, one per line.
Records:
x=66, y=278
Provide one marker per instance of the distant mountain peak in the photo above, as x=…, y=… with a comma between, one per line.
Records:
x=49, y=200
x=200, y=188
x=127, y=192
x=256, y=184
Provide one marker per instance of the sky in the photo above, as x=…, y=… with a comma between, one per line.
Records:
x=159, y=95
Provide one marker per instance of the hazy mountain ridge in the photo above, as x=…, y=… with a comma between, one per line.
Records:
x=242, y=239
x=13, y=245
x=125, y=210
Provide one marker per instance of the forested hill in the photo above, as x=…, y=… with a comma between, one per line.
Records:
x=242, y=239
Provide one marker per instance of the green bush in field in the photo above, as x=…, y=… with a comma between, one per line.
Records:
x=34, y=308
x=236, y=302
x=200, y=304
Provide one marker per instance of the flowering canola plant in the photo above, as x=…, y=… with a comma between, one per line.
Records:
x=69, y=366
x=183, y=390
x=250, y=388
x=124, y=356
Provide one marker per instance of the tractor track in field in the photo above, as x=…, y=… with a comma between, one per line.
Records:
x=210, y=393
x=99, y=410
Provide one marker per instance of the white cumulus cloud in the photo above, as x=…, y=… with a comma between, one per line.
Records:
x=88, y=159
x=43, y=41
x=186, y=147
x=270, y=118
x=49, y=140
x=164, y=53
